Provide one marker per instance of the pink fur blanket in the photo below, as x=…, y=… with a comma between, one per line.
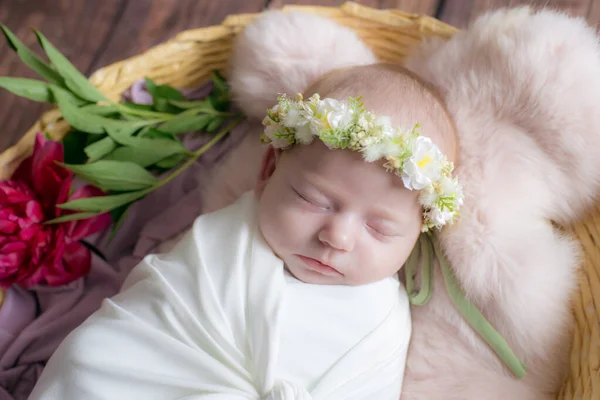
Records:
x=523, y=88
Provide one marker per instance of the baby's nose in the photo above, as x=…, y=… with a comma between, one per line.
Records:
x=339, y=234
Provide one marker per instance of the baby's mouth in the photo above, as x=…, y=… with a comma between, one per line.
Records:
x=317, y=266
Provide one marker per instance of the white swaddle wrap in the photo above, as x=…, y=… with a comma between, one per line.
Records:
x=218, y=318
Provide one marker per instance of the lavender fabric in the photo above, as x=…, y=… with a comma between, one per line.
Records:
x=34, y=322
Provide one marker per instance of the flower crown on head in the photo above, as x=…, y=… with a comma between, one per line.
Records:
x=347, y=125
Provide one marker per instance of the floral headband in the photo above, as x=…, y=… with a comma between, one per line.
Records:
x=347, y=125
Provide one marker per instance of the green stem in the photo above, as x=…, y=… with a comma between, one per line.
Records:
x=141, y=113
x=148, y=122
x=167, y=116
x=193, y=157
x=196, y=154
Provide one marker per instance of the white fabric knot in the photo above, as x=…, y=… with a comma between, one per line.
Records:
x=284, y=390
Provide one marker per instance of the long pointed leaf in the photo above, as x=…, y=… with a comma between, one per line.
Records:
x=118, y=216
x=103, y=203
x=73, y=217
x=114, y=175
x=183, y=124
x=142, y=150
x=99, y=149
x=29, y=88
x=74, y=79
x=31, y=59
x=36, y=90
x=83, y=121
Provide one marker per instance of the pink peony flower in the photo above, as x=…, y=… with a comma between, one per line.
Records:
x=32, y=252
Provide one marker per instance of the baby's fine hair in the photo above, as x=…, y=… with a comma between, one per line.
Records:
x=394, y=91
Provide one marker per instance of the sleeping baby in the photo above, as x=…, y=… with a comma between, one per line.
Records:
x=292, y=292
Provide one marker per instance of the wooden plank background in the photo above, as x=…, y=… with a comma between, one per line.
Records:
x=94, y=33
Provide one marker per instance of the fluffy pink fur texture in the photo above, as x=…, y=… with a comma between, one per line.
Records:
x=284, y=53
x=523, y=87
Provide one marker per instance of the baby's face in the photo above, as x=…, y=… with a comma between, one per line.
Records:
x=334, y=218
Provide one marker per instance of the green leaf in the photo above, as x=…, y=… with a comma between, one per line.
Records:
x=163, y=91
x=214, y=124
x=150, y=132
x=35, y=90
x=74, y=143
x=29, y=88
x=141, y=157
x=220, y=96
x=101, y=110
x=102, y=204
x=84, y=121
x=142, y=107
x=121, y=135
x=73, y=115
x=114, y=175
x=74, y=79
x=150, y=85
x=163, y=146
x=100, y=148
x=219, y=102
x=31, y=59
x=171, y=161
x=118, y=216
x=184, y=104
x=161, y=94
x=144, y=157
x=183, y=124
x=73, y=217
x=219, y=82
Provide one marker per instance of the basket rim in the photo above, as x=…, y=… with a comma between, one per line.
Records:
x=230, y=25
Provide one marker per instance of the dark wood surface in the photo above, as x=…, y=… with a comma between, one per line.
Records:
x=93, y=34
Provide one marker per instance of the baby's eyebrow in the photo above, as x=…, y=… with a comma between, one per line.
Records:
x=389, y=215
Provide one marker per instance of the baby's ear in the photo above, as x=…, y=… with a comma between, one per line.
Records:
x=284, y=53
x=269, y=163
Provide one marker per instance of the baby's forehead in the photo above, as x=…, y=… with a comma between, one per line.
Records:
x=341, y=167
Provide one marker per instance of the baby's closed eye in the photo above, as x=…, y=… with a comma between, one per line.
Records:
x=311, y=199
x=385, y=229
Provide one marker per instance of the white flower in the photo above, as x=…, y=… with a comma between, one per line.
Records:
x=439, y=217
x=428, y=197
x=363, y=123
x=316, y=125
x=450, y=187
x=337, y=113
x=374, y=152
x=277, y=142
x=384, y=125
x=304, y=134
x=271, y=129
x=424, y=166
x=293, y=117
x=339, y=119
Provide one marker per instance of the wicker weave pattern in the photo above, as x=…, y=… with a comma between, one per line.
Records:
x=187, y=59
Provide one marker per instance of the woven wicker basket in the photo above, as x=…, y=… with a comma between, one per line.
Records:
x=188, y=59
